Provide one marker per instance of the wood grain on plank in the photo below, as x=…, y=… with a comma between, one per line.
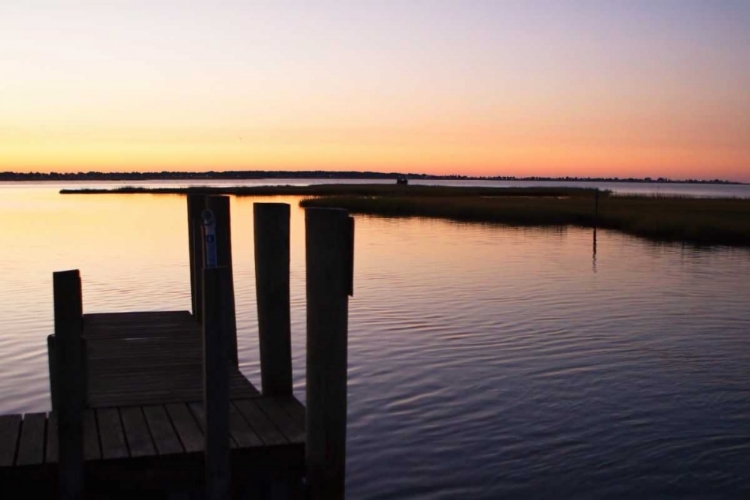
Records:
x=165, y=437
x=31, y=444
x=136, y=432
x=111, y=433
x=200, y=417
x=10, y=427
x=187, y=428
x=91, y=449
x=294, y=408
x=51, y=454
x=286, y=424
x=241, y=431
x=259, y=421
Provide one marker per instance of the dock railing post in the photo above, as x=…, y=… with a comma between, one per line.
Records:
x=69, y=374
x=329, y=261
x=195, y=205
x=271, y=226
x=219, y=206
x=216, y=352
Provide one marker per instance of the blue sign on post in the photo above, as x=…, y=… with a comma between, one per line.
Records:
x=209, y=235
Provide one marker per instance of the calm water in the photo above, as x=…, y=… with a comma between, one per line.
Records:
x=485, y=361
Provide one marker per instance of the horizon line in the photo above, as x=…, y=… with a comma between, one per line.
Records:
x=340, y=174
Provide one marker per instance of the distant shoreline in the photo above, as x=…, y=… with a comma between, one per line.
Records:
x=319, y=175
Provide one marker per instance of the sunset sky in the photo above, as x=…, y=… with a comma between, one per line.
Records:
x=587, y=88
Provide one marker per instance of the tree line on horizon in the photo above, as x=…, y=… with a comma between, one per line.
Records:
x=314, y=174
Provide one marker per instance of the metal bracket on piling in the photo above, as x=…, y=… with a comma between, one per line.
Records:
x=209, y=235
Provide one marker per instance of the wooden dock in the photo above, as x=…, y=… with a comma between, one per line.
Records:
x=149, y=357
x=145, y=380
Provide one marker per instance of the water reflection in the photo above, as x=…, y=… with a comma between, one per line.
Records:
x=485, y=361
x=593, y=258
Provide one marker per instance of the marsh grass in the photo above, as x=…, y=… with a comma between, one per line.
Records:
x=700, y=221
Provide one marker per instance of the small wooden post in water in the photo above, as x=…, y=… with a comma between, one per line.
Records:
x=219, y=206
x=216, y=344
x=271, y=223
x=596, y=207
x=329, y=259
x=68, y=372
x=195, y=205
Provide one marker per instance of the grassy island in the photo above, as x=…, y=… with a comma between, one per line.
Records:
x=700, y=221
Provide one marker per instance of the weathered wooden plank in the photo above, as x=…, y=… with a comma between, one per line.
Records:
x=165, y=437
x=136, y=316
x=200, y=416
x=91, y=449
x=182, y=391
x=31, y=444
x=132, y=398
x=187, y=428
x=294, y=408
x=242, y=433
x=259, y=421
x=136, y=432
x=10, y=427
x=51, y=454
x=293, y=431
x=181, y=382
x=139, y=331
x=111, y=433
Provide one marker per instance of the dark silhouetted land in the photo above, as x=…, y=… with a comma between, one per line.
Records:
x=700, y=221
x=311, y=174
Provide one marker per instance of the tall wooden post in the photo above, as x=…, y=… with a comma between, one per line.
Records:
x=271, y=222
x=216, y=344
x=69, y=382
x=195, y=205
x=329, y=249
x=219, y=205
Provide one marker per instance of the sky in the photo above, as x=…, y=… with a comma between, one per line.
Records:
x=525, y=88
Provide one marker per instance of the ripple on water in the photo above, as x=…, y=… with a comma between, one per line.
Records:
x=484, y=361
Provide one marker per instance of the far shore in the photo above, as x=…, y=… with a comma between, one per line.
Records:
x=697, y=221
x=324, y=175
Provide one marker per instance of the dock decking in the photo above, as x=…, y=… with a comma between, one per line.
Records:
x=151, y=430
x=145, y=406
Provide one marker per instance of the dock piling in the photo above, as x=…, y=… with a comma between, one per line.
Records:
x=329, y=237
x=68, y=369
x=195, y=205
x=271, y=223
x=219, y=206
x=216, y=352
